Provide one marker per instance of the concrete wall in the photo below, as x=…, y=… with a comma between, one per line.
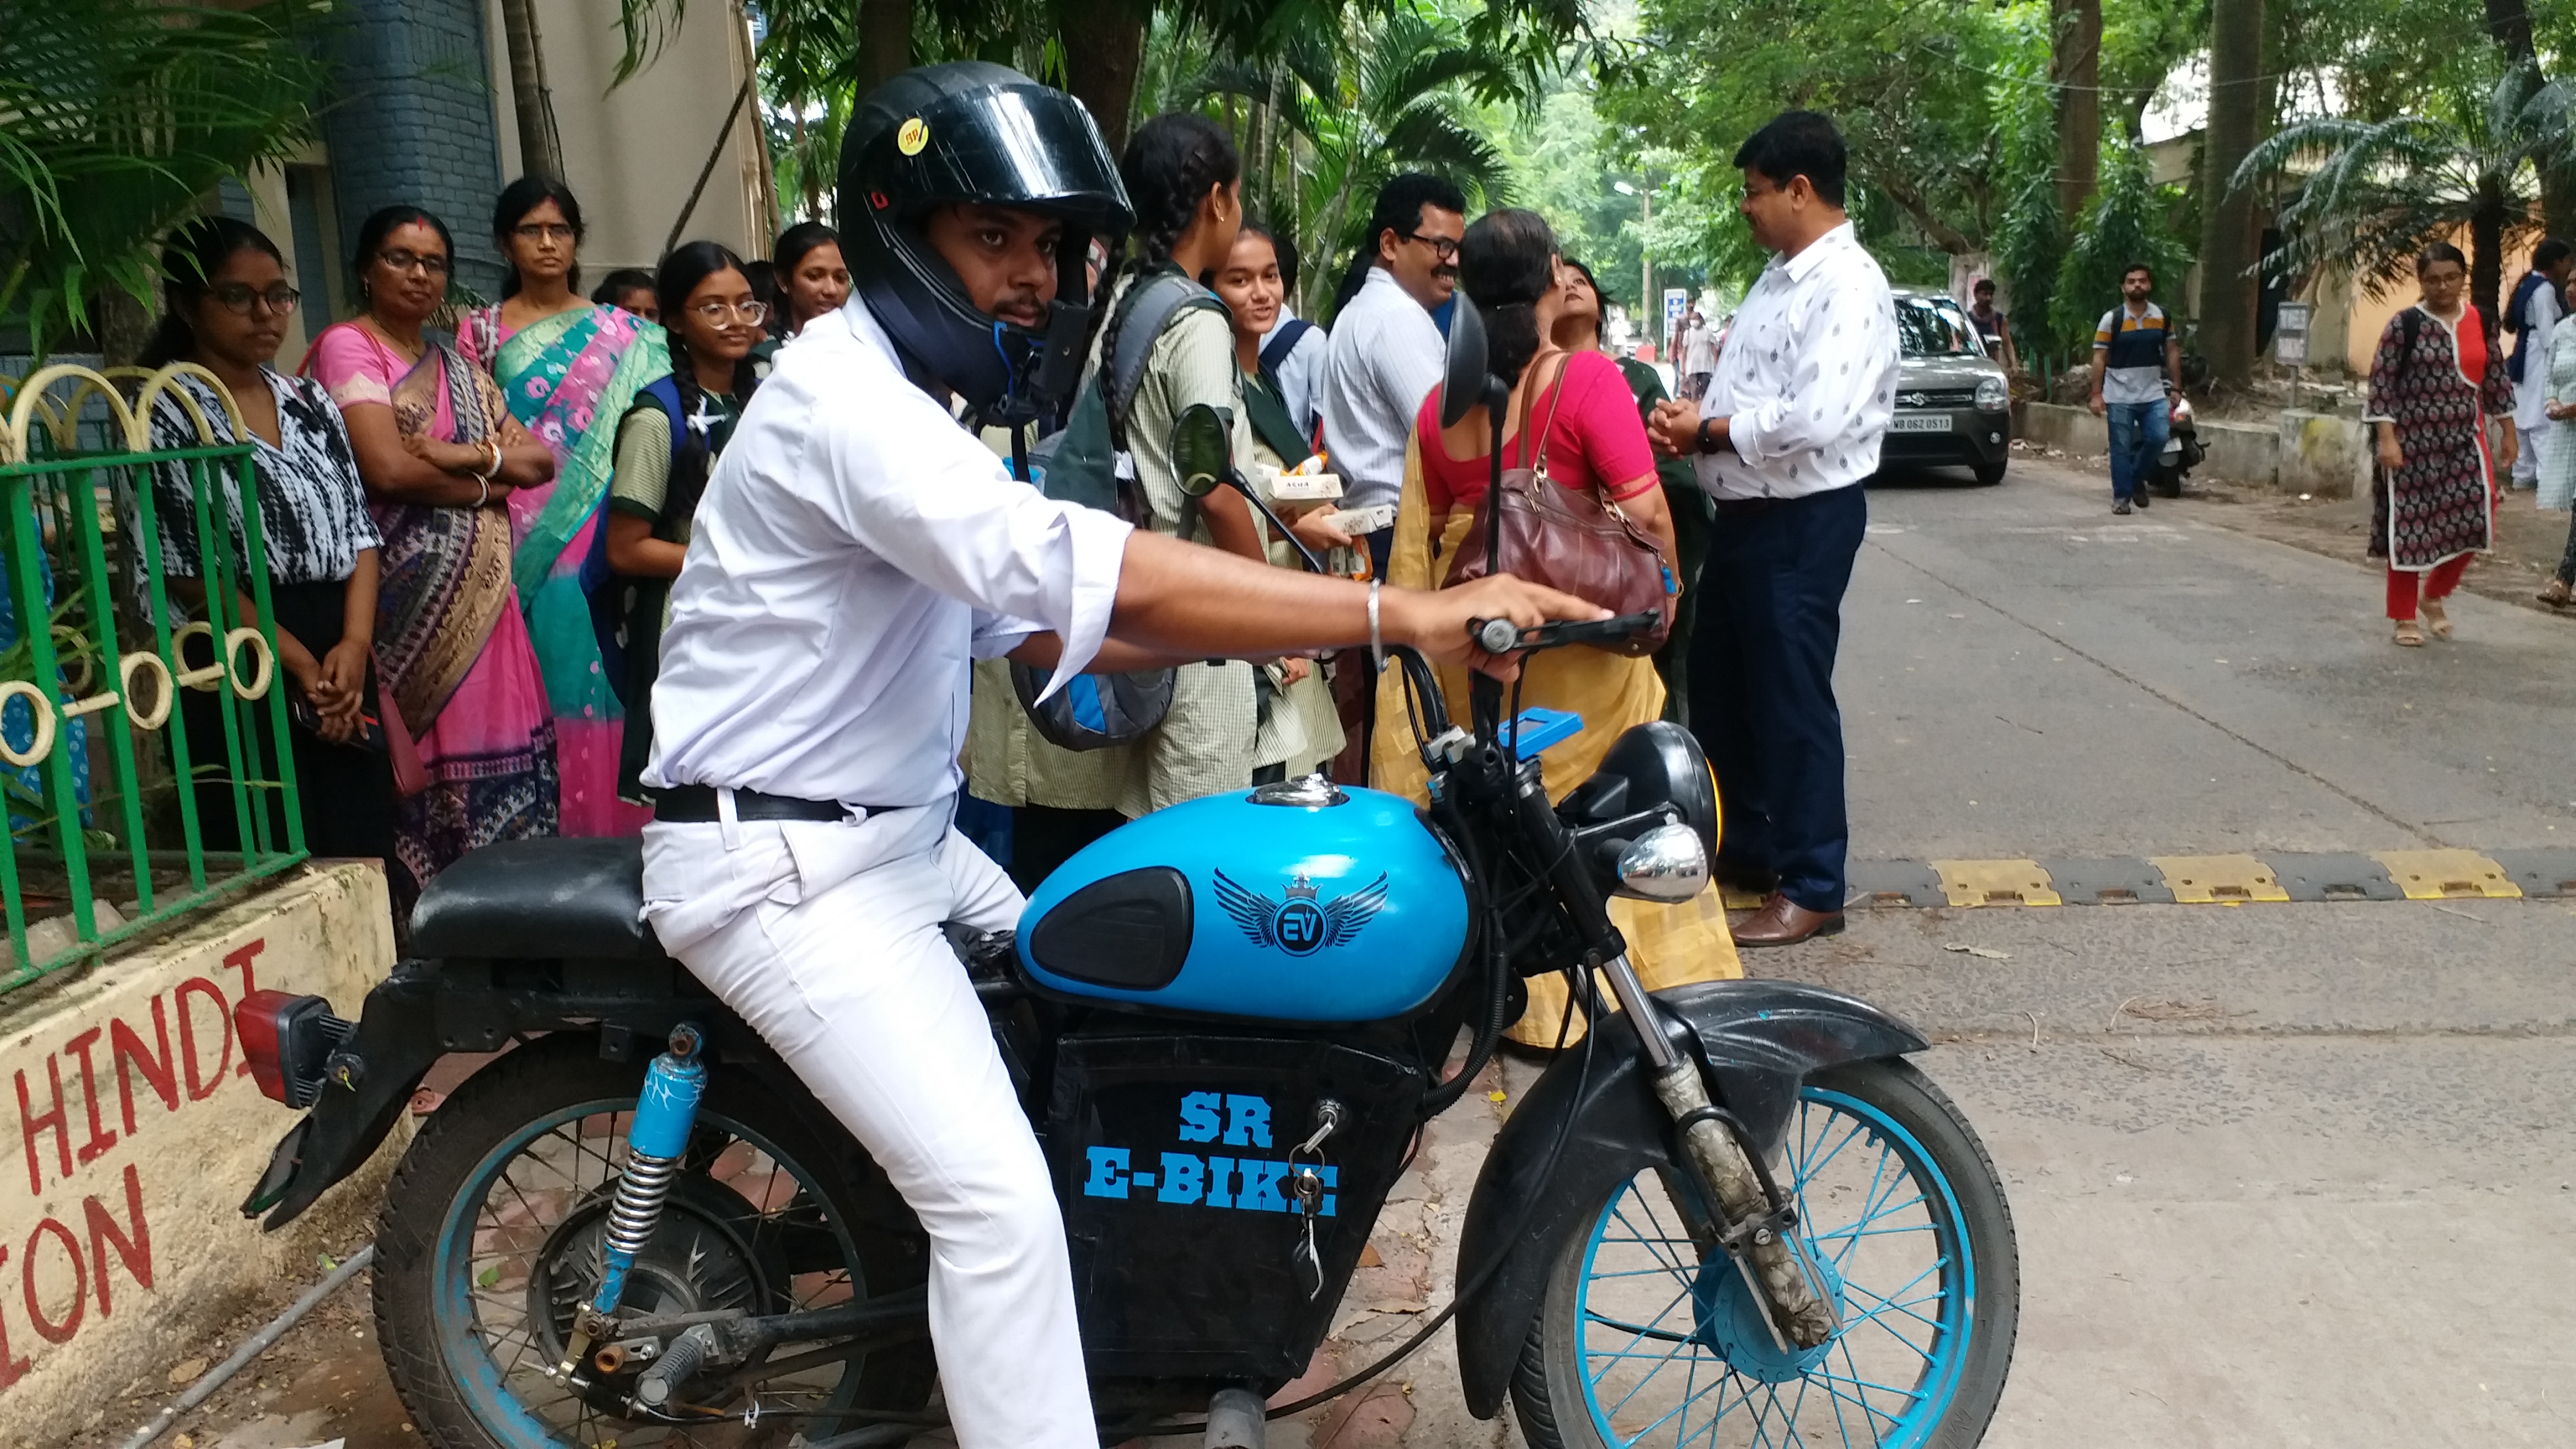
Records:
x=632, y=152
x=138, y=1132
x=2302, y=452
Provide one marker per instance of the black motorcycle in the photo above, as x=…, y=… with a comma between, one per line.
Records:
x=1734, y=1215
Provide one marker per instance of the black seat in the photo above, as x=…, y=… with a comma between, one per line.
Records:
x=527, y=899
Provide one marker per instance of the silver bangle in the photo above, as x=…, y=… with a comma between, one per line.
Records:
x=482, y=493
x=1377, y=648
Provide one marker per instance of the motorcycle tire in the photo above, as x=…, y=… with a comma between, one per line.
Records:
x=837, y=1204
x=1558, y=1391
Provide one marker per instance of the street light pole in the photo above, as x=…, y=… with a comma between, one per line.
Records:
x=1646, y=309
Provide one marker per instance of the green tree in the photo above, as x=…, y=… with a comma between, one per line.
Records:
x=2125, y=226
x=123, y=116
x=2381, y=190
x=2228, y=238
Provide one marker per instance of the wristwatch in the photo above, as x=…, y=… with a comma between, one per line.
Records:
x=1706, y=443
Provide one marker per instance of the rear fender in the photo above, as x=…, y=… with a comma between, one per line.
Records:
x=1758, y=1040
x=428, y=1009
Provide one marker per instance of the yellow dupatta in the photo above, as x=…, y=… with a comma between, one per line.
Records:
x=1669, y=945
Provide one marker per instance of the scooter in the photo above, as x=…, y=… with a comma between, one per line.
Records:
x=2182, y=451
x=1734, y=1214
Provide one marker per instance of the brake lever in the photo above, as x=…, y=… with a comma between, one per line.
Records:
x=1499, y=636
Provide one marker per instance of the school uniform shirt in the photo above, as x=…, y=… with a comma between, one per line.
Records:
x=2134, y=367
x=1385, y=357
x=1300, y=374
x=847, y=565
x=1807, y=377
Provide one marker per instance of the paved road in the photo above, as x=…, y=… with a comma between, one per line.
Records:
x=2284, y=1174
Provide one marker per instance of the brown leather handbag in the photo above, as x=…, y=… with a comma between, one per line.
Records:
x=1580, y=543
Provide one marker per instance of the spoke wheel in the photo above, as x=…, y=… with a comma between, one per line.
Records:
x=492, y=1235
x=1646, y=1340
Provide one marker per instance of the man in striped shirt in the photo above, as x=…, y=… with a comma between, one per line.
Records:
x=2137, y=366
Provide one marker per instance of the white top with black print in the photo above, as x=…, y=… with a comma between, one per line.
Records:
x=312, y=508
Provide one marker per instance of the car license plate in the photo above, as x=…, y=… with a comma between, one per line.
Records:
x=1920, y=423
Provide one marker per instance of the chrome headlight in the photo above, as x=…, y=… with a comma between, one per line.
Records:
x=1993, y=394
x=1666, y=863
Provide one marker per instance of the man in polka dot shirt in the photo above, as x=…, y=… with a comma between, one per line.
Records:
x=1787, y=433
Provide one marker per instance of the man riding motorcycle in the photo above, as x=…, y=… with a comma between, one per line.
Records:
x=855, y=550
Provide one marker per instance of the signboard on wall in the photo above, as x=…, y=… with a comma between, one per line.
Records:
x=2290, y=335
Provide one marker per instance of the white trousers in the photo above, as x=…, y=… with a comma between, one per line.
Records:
x=825, y=938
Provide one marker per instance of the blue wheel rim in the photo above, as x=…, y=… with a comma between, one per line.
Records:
x=1656, y=1326
x=488, y=1345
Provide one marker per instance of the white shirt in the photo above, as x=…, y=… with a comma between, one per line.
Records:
x=1808, y=375
x=1699, y=349
x=2531, y=395
x=1386, y=356
x=1301, y=373
x=855, y=551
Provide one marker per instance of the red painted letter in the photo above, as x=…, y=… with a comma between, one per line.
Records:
x=128, y=1050
x=12, y=1368
x=135, y=1251
x=239, y=959
x=29, y=1126
x=202, y=1087
x=55, y=1332
x=100, y=1138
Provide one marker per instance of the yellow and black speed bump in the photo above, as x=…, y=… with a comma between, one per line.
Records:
x=2387, y=875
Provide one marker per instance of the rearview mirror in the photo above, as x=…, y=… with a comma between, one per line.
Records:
x=1202, y=449
x=1467, y=380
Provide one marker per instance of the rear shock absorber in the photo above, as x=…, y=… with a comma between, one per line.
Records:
x=665, y=1115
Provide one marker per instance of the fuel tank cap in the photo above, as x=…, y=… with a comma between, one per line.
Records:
x=1311, y=791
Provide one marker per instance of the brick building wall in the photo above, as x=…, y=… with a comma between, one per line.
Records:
x=411, y=121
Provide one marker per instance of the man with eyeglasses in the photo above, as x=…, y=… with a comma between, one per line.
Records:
x=1789, y=430
x=1386, y=353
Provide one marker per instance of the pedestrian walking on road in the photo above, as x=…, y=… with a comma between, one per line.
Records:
x=2532, y=315
x=1697, y=355
x=2137, y=372
x=2556, y=444
x=1791, y=427
x=1993, y=325
x=2437, y=377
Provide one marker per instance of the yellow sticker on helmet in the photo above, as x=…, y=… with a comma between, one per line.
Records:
x=914, y=135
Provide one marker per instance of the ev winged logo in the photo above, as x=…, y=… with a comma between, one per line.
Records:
x=1301, y=925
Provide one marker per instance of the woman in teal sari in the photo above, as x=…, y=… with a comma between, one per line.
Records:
x=563, y=365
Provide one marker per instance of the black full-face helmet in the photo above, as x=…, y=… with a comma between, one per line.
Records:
x=975, y=132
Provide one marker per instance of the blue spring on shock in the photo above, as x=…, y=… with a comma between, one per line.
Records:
x=665, y=1115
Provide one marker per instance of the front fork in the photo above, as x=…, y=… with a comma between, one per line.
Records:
x=1756, y=1222
x=665, y=1115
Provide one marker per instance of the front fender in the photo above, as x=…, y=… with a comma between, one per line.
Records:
x=1758, y=1039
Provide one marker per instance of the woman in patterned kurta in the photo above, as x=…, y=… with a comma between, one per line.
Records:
x=2437, y=377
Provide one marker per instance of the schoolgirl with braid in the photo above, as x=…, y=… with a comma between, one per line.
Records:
x=1183, y=178
x=667, y=446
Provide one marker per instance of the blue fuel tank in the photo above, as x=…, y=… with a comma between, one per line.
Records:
x=1300, y=901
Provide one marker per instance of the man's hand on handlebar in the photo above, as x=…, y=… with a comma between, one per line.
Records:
x=1437, y=623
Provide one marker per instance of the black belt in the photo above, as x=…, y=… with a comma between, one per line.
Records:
x=696, y=805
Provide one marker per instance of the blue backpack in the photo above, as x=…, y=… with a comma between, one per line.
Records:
x=614, y=599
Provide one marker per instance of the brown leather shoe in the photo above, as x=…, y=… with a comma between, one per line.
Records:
x=1783, y=922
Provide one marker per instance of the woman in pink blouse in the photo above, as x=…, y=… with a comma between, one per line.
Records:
x=1586, y=427
x=439, y=454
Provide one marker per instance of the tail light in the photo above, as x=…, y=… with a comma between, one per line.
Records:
x=289, y=1041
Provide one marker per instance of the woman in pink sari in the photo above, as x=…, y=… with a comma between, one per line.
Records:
x=563, y=365
x=440, y=457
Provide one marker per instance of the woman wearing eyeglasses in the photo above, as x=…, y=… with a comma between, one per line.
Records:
x=569, y=368
x=441, y=455
x=666, y=446
x=228, y=302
